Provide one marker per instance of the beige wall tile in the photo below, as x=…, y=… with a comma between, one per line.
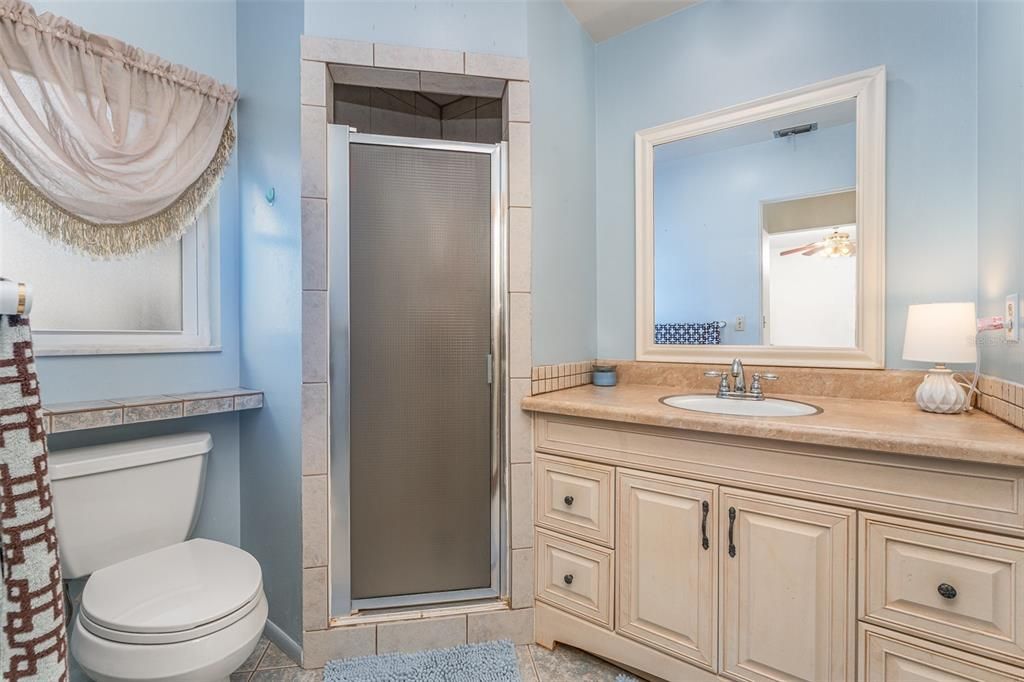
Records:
x=315, y=604
x=314, y=83
x=497, y=66
x=372, y=77
x=314, y=429
x=522, y=578
x=248, y=402
x=518, y=101
x=417, y=58
x=337, y=51
x=314, y=243
x=520, y=238
x=88, y=419
x=419, y=635
x=314, y=521
x=516, y=625
x=521, y=498
x=461, y=85
x=314, y=152
x=520, y=327
x=208, y=406
x=135, y=414
x=347, y=642
x=314, y=336
x=520, y=423
x=519, y=171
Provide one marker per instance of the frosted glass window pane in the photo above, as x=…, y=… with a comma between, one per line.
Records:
x=75, y=292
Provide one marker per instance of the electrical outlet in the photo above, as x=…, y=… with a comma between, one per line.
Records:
x=741, y=323
x=1011, y=318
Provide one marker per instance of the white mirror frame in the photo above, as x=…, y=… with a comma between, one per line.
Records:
x=868, y=88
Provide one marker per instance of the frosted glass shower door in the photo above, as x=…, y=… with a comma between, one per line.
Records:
x=423, y=346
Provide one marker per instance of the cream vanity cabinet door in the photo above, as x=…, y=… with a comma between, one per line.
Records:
x=788, y=588
x=666, y=552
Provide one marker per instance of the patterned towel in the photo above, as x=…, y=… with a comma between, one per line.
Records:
x=689, y=333
x=33, y=644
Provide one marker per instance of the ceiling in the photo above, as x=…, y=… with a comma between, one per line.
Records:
x=604, y=19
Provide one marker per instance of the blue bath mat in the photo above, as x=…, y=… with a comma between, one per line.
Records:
x=486, y=662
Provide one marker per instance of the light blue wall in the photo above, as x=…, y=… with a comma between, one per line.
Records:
x=713, y=202
x=200, y=35
x=268, y=142
x=564, y=259
x=1000, y=175
x=492, y=26
x=720, y=53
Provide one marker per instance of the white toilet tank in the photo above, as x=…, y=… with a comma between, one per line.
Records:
x=116, y=501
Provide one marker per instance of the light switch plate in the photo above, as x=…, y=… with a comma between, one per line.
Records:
x=1011, y=318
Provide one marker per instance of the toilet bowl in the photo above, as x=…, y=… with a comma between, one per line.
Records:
x=156, y=607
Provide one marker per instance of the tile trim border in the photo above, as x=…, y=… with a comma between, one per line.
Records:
x=547, y=378
x=1002, y=399
x=78, y=416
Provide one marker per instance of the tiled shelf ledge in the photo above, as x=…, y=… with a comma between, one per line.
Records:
x=64, y=417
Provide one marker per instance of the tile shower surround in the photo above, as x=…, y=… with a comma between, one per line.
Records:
x=322, y=639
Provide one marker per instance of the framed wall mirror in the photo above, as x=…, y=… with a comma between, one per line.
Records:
x=760, y=230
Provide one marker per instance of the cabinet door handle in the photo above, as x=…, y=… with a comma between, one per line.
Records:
x=947, y=591
x=567, y=578
x=705, y=543
x=732, y=522
x=568, y=500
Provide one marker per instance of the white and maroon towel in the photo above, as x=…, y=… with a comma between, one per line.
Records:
x=33, y=643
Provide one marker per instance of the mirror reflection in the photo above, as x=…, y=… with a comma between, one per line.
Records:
x=755, y=233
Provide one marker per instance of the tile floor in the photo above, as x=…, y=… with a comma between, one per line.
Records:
x=536, y=664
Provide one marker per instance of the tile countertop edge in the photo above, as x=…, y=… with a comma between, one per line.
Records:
x=845, y=423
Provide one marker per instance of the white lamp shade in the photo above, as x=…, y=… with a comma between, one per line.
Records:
x=941, y=333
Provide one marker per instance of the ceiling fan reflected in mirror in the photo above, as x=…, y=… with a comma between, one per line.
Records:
x=836, y=245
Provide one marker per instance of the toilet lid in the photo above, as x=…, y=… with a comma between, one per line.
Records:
x=173, y=589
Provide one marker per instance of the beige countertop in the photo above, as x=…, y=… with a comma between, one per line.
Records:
x=881, y=426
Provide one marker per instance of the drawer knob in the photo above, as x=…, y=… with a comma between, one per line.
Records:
x=567, y=578
x=947, y=591
x=568, y=500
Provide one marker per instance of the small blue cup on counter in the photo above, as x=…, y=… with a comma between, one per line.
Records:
x=604, y=375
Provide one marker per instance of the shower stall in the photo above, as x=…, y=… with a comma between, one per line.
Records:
x=416, y=244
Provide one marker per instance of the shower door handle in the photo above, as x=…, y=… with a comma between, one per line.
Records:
x=490, y=368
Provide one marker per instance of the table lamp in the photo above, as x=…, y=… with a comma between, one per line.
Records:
x=941, y=333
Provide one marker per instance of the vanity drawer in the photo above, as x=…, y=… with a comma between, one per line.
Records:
x=892, y=657
x=575, y=498
x=954, y=586
x=575, y=576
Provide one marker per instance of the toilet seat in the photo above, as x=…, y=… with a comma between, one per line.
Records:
x=174, y=594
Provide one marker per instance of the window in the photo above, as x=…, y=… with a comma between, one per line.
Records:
x=161, y=300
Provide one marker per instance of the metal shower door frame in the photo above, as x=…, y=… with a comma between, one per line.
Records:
x=339, y=137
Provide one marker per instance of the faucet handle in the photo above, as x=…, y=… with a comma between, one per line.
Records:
x=714, y=373
x=755, y=383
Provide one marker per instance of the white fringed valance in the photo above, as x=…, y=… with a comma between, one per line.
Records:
x=103, y=146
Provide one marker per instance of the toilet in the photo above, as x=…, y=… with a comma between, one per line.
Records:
x=157, y=607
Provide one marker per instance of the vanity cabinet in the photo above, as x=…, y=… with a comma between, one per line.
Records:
x=788, y=587
x=667, y=565
x=692, y=556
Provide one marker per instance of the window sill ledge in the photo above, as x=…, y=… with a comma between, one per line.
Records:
x=43, y=352
x=65, y=417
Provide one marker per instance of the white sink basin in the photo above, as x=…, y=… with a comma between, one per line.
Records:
x=769, y=407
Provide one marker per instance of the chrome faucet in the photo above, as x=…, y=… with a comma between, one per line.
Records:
x=738, y=390
x=740, y=385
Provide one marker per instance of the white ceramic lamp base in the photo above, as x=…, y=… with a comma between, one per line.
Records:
x=940, y=393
